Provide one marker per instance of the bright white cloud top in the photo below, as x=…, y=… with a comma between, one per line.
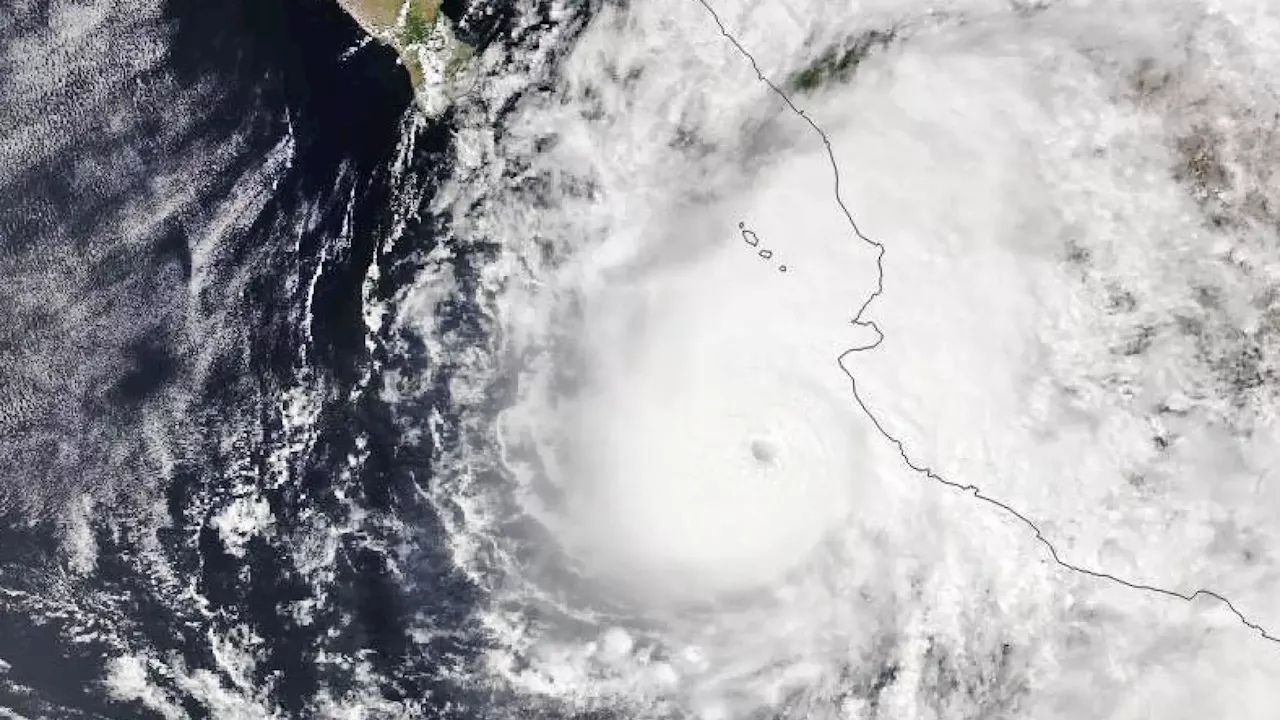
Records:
x=1081, y=309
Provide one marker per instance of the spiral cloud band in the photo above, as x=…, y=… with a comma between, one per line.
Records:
x=717, y=443
x=701, y=518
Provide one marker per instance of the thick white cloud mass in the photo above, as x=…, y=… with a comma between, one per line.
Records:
x=1081, y=312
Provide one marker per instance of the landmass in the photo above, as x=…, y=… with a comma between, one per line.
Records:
x=839, y=64
x=439, y=64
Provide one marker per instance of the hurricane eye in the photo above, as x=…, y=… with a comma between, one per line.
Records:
x=764, y=452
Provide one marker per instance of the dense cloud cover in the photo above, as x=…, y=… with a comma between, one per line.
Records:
x=1079, y=317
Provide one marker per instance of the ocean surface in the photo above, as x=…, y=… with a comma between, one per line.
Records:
x=206, y=509
x=704, y=360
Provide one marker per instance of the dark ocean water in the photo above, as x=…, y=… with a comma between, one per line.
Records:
x=183, y=242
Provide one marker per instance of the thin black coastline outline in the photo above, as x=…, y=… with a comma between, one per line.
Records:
x=753, y=241
x=859, y=322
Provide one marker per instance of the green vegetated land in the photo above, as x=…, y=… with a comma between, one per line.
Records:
x=839, y=64
x=383, y=18
x=462, y=54
x=419, y=20
x=374, y=14
x=413, y=28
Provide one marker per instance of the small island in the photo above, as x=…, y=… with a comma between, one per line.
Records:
x=439, y=64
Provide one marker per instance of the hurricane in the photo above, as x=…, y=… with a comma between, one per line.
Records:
x=788, y=287
x=681, y=359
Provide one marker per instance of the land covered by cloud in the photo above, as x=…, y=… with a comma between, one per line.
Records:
x=1079, y=313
